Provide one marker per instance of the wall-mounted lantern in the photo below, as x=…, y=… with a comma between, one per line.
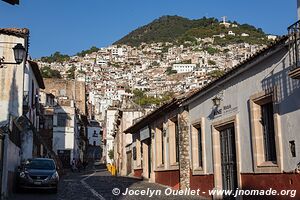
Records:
x=164, y=132
x=216, y=101
x=152, y=134
x=19, y=54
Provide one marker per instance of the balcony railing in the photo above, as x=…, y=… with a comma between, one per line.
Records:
x=294, y=38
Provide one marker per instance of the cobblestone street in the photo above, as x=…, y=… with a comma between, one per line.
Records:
x=98, y=185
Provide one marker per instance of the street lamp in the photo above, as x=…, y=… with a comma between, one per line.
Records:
x=19, y=54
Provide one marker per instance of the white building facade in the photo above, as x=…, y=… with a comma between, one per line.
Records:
x=66, y=132
x=184, y=68
x=19, y=106
x=109, y=132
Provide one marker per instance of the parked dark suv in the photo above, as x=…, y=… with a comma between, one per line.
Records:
x=39, y=173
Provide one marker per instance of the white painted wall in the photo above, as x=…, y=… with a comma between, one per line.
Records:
x=13, y=159
x=11, y=104
x=110, y=118
x=127, y=121
x=184, y=68
x=65, y=138
x=11, y=162
x=26, y=145
x=27, y=136
x=11, y=79
x=237, y=91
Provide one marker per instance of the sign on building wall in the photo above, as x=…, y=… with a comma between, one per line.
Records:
x=144, y=133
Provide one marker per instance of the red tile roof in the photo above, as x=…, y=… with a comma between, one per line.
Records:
x=21, y=32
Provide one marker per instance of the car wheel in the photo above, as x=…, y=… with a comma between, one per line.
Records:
x=19, y=189
x=54, y=190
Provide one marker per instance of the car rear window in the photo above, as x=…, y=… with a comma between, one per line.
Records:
x=41, y=164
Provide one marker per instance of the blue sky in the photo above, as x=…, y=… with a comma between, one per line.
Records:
x=70, y=26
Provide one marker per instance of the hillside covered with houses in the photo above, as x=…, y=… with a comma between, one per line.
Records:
x=196, y=108
x=160, y=68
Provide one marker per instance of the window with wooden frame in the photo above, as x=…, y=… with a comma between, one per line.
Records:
x=63, y=120
x=177, y=141
x=197, y=144
x=267, y=122
x=173, y=128
x=265, y=126
x=134, y=153
x=138, y=154
x=160, y=146
x=162, y=135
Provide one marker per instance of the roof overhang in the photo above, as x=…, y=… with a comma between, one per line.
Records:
x=37, y=74
x=19, y=32
x=12, y=2
x=244, y=65
x=150, y=118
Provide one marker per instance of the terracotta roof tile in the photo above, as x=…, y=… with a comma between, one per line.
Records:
x=22, y=32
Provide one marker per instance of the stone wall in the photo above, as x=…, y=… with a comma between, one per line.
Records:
x=184, y=158
x=67, y=88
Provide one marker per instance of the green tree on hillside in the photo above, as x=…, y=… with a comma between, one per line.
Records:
x=47, y=72
x=89, y=51
x=71, y=73
x=211, y=50
x=180, y=30
x=211, y=62
x=170, y=71
x=142, y=99
x=56, y=57
x=216, y=74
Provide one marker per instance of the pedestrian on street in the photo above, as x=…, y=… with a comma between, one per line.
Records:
x=73, y=165
x=79, y=165
x=85, y=163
